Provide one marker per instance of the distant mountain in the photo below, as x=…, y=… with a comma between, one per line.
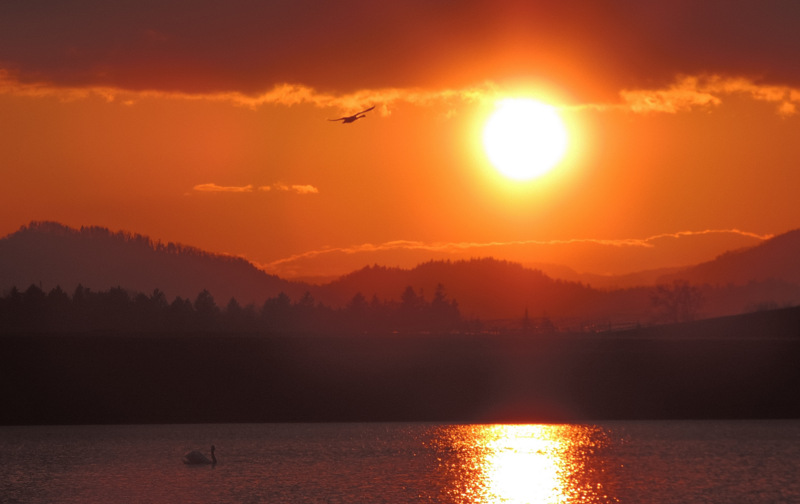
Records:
x=776, y=259
x=766, y=275
x=484, y=288
x=50, y=254
x=622, y=281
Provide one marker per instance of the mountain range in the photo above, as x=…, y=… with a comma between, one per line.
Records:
x=50, y=254
x=774, y=259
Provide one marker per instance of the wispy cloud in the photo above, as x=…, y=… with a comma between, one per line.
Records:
x=295, y=188
x=681, y=234
x=305, y=189
x=218, y=188
x=286, y=94
x=461, y=247
x=686, y=93
x=11, y=86
x=691, y=92
x=681, y=96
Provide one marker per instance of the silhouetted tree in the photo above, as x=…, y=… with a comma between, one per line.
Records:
x=81, y=307
x=117, y=310
x=249, y=318
x=79, y=294
x=303, y=312
x=444, y=314
x=357, y=314
x=206, y=310
x=111, y=310
x=358, y=305
x=179, y=314
x=236, y=318
x=276, y=312
x=233, y=309
x=678, y=302
x=158, y=300
x=59, y=307
x=526, y=322
x=411, y=308
x=33, y=307
x=12, y=312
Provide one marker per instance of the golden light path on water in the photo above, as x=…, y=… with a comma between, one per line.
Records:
x=523, y=464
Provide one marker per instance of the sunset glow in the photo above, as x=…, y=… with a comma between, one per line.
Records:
x=525, y=464
x=524, y=138
x=417, y=251
x=513, y=129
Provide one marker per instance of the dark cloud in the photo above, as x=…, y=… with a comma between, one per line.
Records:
x=249, y=45
x=729, y=37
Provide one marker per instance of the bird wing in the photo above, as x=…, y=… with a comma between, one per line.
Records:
x=354, y=116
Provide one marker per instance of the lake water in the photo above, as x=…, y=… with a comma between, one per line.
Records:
x=626, y=462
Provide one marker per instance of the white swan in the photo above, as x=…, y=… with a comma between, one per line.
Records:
x=197, y=458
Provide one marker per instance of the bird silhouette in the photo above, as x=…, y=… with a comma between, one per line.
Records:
x=197, y=458
x=354, y=117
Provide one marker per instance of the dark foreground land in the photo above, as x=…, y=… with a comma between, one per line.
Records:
x=738, y=367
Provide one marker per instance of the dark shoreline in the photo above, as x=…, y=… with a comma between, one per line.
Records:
x=733, y=368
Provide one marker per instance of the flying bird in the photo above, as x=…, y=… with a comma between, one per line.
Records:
x=354, y=117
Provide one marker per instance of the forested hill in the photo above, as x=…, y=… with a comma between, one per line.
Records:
x=485, y=287
x=50, y=254
x=774, y=259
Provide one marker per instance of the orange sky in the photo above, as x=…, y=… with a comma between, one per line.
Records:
x=209, y=127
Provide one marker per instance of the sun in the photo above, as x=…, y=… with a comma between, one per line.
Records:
x=524, y=138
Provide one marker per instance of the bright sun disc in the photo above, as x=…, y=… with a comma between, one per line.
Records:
x=524, y=138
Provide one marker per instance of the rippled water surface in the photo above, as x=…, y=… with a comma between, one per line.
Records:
x=628, y=462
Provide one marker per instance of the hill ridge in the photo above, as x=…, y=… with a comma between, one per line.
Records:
x=773, y=259
x=47, y=254
x=99, y=258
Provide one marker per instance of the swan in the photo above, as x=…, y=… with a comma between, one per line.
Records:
x=354, y=117
x=197, y=458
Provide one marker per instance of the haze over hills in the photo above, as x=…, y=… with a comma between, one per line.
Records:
x=484, y=288
x=49, y=254
x=775, y=259
x=601, y=263
x=608, y=281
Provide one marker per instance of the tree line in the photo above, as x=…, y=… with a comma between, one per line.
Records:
x=118, y=310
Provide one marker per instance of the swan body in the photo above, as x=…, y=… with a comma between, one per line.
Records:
x=354, y=117
x=197, y=458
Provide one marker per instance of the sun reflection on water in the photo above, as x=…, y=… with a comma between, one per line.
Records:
x=523, y=464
